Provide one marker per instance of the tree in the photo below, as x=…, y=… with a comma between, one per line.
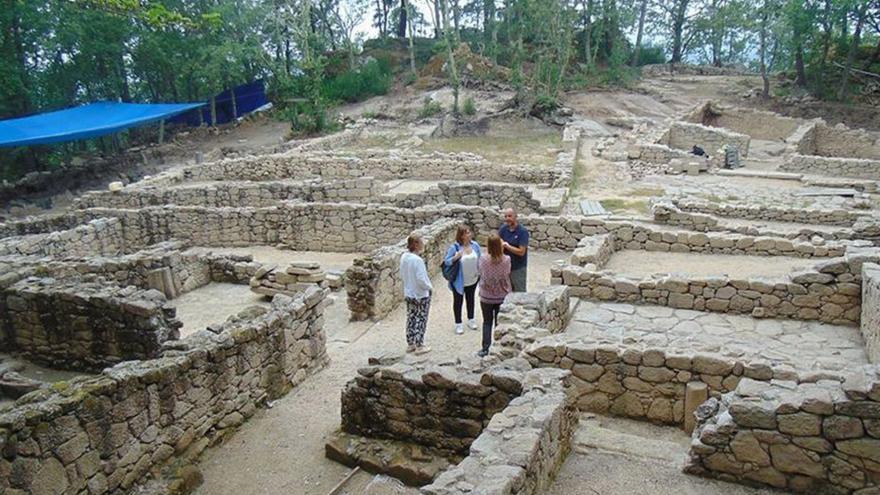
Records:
x=451, y=43
x=861, y=11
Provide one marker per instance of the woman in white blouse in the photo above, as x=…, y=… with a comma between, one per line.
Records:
x=466, y=253
x=417, y=290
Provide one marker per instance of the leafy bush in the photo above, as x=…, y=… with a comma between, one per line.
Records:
x=371, y=79
x=651, y=54
x=544, y=104
x=429, y=108
x=469, y=107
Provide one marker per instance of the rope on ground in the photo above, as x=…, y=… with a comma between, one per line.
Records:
x=342, y=483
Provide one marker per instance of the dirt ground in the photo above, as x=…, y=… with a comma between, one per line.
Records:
x=281, y=450
x=616, y=456
x=646, y=263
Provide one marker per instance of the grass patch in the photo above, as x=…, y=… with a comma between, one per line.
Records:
x=618, y=205
x=531, y=149
x=647, y=191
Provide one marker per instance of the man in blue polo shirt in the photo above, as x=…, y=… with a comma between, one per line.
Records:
x=515, y=239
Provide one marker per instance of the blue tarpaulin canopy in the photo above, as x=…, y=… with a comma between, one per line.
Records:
x=86, y=121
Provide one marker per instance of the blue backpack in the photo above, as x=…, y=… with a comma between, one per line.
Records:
x=450, y=271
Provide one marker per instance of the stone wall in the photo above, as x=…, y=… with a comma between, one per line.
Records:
x=368, y=163
x=37, y=225
x=838, y=141
x=835, y=167
x=646, y=384
x=373, y=282
x=684, y=136
x=658, y=153
x=819, y=437
x=870, y=323
x=522, y=447
x=236, y=193
x=101, y=236
x=756, y=124
x=485, y=195
x=853, y=225
x=80, y=324
x=837, y=216
x=830, y=291
x=104, y=434
x=595, y=250
x=436, y=406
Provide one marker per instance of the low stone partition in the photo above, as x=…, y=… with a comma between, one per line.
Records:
x=235, y=194
x=836, y=167
x=684, y=136
x=105, y=434
x=658, y=153
x=380, y=164
x=373, y=282
x=80, y=324
x=819, y=437
x=436, y=406
x=757, y=124
x=646, y=384
x=522, y=447
x=483, y=194
x=168, y=267
x=293, y=279
x=851, y=225
x=830, y=291
x=839, y=141
x=837, y=216
x=870, y=323
x=595, y=250
x=37, y=225
x=101, y=236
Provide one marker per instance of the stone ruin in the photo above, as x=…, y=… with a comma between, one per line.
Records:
x=774, y=377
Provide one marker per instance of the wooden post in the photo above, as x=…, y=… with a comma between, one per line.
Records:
x=161, y=131
x=213, y=111
x=234, y=105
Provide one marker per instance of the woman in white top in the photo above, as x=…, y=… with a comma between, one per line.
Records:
x=466, y=253
x=417, y=290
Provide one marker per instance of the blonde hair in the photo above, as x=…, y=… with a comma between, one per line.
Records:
x=412, y=241
x=494, y=245
x=459, y=234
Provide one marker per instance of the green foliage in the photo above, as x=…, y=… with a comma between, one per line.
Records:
x=469, y=107
x=429, y=108
x=651, y=54
x=371, y=79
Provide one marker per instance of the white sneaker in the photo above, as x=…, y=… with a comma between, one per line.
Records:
x=472, y=324
x=459, y=328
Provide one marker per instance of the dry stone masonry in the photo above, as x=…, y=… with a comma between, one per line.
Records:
x=105, y=434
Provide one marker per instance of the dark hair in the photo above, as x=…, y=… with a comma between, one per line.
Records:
x=412, y=240
x=494, y=245
x=459, y=234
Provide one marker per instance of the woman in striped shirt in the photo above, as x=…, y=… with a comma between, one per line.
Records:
x=494, y=268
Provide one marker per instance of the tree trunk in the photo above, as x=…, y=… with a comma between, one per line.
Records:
x=412, y=35
x=853, y=48
x=490, y=36
x=588, y=32
x=402, y=22
x=765, y=93
x=641, y=30
x=678, y=30
x=453, y=72
x=800, y=71
x=437, y=21
x=875, y=57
